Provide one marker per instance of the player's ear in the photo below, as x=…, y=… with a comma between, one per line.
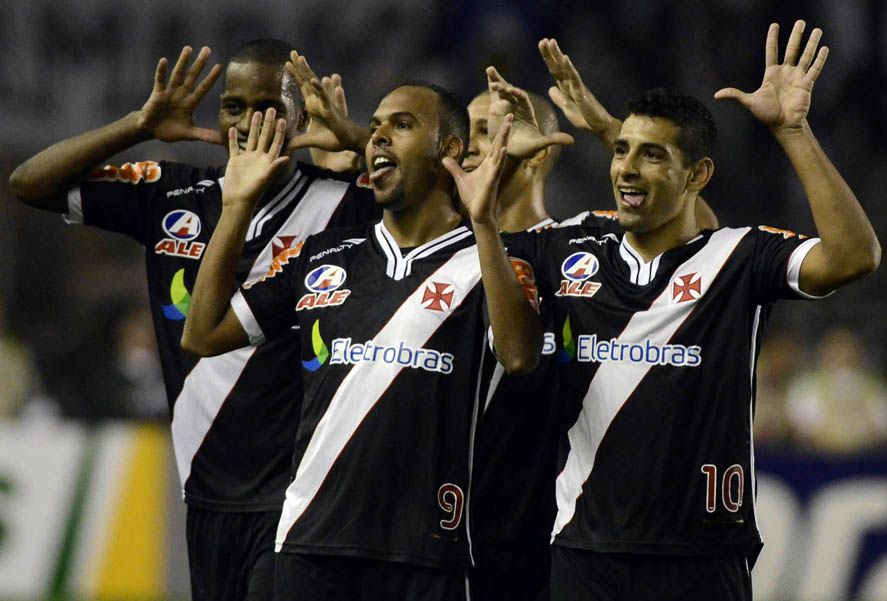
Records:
x=700, y=174
x=451, y=146
x=539, y=158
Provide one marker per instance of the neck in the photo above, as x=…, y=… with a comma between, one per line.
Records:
x=427, y=220
x=521, y=206
x=672, y=234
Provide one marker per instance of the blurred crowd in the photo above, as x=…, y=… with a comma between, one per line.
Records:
x=75, y=331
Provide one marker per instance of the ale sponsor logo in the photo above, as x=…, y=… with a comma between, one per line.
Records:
x=324, y=283
x=577, y=269
x=182, y=227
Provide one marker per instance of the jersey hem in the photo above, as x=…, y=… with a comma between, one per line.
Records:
x=233, y=506
x=372, y=553
x=692, y=549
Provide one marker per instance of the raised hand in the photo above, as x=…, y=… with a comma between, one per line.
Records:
x=572, y=97
x=783, y=99
x=329, y=127
x=251, y=171
x=525, y=138
x=168, y=114
x=478, y=189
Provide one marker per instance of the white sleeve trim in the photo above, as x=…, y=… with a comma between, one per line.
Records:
x=74, y=216
x=247, y=319
x=793, y=272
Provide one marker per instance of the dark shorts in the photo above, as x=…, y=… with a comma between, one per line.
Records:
x=588, y=576
x=231, y=554
x=510, y=571
x=335, y=578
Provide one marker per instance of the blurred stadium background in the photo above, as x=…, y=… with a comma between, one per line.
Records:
x=89, y=500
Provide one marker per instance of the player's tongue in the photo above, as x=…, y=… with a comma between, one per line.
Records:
x=382, y=166
x=633, y=198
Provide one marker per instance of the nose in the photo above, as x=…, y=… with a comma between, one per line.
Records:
x=380, y=137
x=243, y=123
x=628, y=165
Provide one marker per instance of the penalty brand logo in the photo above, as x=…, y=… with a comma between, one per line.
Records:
x=324, y=283
x=576, y=269
x=346, y=352
x=321, y=352
x=182, y=227
x=181, y=298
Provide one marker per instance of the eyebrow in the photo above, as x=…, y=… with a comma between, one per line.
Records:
x=652, y=145
x=393, y=116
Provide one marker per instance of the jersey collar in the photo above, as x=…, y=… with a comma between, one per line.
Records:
x=641, y=272
x=399, y=266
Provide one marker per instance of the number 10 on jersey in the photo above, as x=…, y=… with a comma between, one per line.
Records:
x=732, y=485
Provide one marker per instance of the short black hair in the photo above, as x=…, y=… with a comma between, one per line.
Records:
x=452, y=112
x=267, y=51
x=698, y=131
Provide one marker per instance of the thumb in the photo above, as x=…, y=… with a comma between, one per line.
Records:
x=453, y=167
x=732, y=94
x=559, y=139
x=203, y=134
x=557, y=97
x=306, y=140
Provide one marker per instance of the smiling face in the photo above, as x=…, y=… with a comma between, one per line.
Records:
x=649, y=175
x=253, y=86
x=403, y=154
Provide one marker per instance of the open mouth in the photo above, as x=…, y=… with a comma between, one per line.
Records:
x=633, y=197
x=382, y=166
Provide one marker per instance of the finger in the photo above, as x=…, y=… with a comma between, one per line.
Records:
x=558, y=97
x=732, y=94
x=160, y=75
x=233, y=148
x=771, y=47
x=178, y=71
x=810, y=49
x=196, y=68
x=548, y=55
x=794, y=43
x=306, y=68
x=208, y=82
x=339, y=99
x=493, y=75
x=816, y=69
x=267, y=130
x=279, y=135
x=501, y=139
x=279, y=162
x=320, y=92
x=453, y=167
x=254, y=127
x=294, y=66
x=202, y=134
x=558, y=139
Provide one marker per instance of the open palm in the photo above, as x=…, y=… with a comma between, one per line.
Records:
x=783, y=100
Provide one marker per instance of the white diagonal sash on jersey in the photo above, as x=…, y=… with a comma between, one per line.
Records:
x=310, y=216
x=203, y=393
x=613, y=383
x=358, y=393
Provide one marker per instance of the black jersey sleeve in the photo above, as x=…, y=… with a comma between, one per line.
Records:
x=777, y=263
x=266, y=307
x=121, y=198
x=524, y=252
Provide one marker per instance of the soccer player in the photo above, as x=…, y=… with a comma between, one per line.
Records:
x=233, y=416
x=656, y=499
x=512, y=493
x=391, y=318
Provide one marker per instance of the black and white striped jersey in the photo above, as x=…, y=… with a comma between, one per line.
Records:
x=659, y=374
x=515, y=461
x=233, y=415
x=392, y=345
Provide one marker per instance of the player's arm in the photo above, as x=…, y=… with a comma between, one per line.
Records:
x=849, y=248
x=43, y=180
x=212, y=327
x=517, y=330
x=333, y=130
x=583, y=110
